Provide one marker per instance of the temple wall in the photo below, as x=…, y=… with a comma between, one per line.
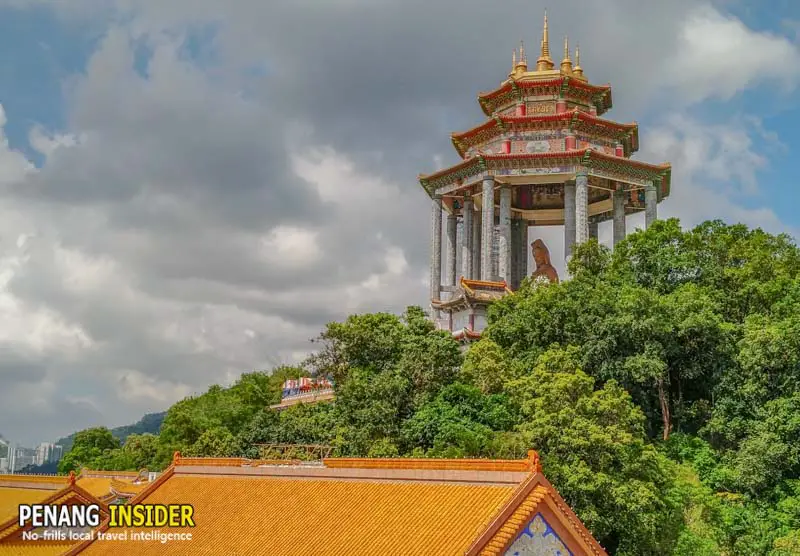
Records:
x=460, y=320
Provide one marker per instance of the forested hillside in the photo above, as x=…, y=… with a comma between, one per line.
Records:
x=150, y=423
x=661, y=385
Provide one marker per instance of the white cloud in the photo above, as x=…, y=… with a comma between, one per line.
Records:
x=718, y=56
x=291, y=246
x=135, y=386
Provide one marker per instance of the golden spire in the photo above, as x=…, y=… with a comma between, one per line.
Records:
x=545, y=62
x=566, y=63
x=519, y=65
x=577, y=70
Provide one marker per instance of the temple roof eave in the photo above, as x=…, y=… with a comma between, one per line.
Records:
x=491, y=100
x=588, y=158
x=575, y=119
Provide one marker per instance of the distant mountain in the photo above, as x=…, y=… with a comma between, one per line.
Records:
x=150, y=423
x=49, y=468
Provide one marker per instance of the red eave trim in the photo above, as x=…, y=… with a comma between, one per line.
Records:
x=576, y=83
x=578, y=153
x=508, y=119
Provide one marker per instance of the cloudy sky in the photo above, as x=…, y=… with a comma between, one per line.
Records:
x=190, y=189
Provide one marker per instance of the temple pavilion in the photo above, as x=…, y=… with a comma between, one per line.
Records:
x=545, y=156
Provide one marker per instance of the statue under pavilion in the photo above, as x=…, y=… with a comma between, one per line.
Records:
x=545, y=157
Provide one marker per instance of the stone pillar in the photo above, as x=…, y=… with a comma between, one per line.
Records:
x=487, y=232
x=452, y=229
x=569, y=218
x=650, y=205
x=593, y=230
x=477, y=224
x=436, y=247
x=519, y=251
x=581, y=207
x=618, y=199
x=504, y=255
x=466, y=239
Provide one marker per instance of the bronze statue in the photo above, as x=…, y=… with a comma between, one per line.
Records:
x=541, y=255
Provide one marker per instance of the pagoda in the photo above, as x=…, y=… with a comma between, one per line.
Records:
x=544, y=157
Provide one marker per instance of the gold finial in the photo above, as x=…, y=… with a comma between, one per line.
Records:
x=545, y=62
x=520, y=64
x=566, y=63
x=514, y=59
x=578, y=70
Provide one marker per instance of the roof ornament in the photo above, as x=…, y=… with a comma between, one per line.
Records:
x=566, y=63
x=545, y=62
x=519, y=65
x=534, y=461
x=577, y=70
x=71, y=478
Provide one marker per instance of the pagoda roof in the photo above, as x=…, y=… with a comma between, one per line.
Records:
x=514, y=90
x=473, y=292
x=361, y=506
x=575, y=119
x=587, y=157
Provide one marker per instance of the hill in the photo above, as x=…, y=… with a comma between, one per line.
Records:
x=150, y=424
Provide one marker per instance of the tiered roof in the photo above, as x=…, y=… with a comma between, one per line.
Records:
x=576, y=104
x=361, y=506
x=575, y=120
x=515, y=90
x=587, y=157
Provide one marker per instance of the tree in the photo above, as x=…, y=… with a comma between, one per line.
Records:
x=88, y=446
x=594, y=450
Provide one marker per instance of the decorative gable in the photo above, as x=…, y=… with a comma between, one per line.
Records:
x=538, y=539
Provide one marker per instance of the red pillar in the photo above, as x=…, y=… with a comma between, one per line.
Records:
x=561, y=106
x=521, y=109
x=506, y=146
x=571, y=142
x=618, y=150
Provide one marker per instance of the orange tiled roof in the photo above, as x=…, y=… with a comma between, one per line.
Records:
x=11, y=540
x=351, y=506
x=96, y=486
x=11, y=498
x=29, y=548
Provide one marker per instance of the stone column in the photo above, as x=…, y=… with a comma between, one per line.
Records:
x=466, y=239
x=452, y=229
x=569, y=218
x=593, y=230
x=519, y=251
x=650, y=205
x=477, y=224
x=504, y=262
x=436, y=247
x=581, y=207
x=487, y=233
x=618, y=199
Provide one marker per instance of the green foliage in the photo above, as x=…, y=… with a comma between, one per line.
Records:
x=660, y=385
x=88, y=446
